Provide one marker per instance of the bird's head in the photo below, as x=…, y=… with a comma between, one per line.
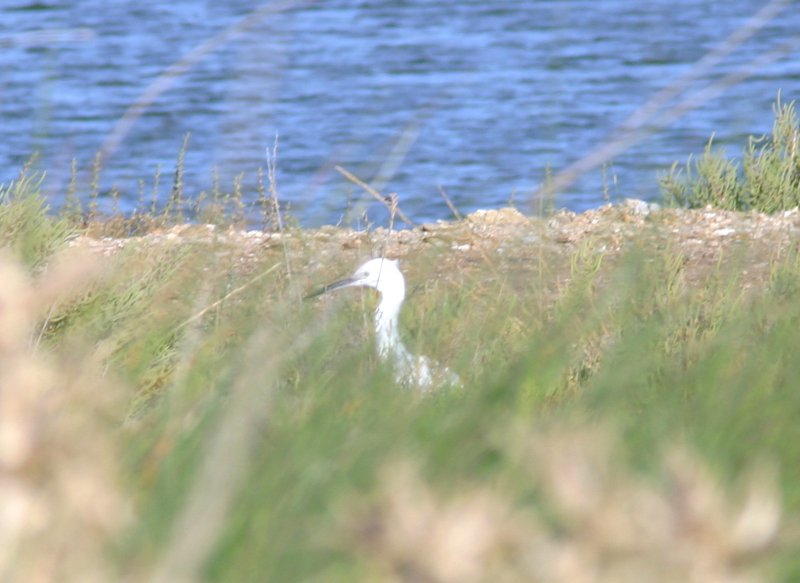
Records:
x=381, y=273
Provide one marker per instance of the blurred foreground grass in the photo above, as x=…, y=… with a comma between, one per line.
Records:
x=617, y=423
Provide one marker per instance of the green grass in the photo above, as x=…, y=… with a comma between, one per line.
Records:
x=767, y=178
x=625, y=422
x=28, y=231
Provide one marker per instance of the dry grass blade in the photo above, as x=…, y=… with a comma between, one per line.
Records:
x=59, y=495
x=412, y=534
x=456, y=213
x=272, y=175
x=203, y=518
x=219, y=479
x=706, y=63
x=180, y=67
x=606, y=524
x=633, y=130
x=392, y=206
x=397, y=155
x=227, y=296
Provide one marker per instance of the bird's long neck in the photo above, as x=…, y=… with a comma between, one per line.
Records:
x=386, y=324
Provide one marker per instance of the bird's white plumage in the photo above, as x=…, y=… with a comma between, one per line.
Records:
x=384, y=275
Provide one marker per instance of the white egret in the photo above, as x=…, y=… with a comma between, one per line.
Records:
x=410, y=370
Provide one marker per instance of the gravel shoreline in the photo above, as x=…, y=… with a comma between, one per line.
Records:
x=704, y=238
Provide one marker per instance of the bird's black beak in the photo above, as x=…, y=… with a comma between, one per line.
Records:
x=330, y=287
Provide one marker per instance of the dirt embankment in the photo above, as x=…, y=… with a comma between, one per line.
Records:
x=704, y=239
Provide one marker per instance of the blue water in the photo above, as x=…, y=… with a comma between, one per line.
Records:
x=480, y=98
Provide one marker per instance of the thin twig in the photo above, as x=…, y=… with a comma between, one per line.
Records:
x=230, y=294
x=456, y=213
x=272, y=175
x=262, y=199
x=398, y=153
x=43, y=327
x=226, y=462
x=374, y=193
x=394, y=200
x=721, y=85
x=633, y=129
x=180, y=67
x=705, y=64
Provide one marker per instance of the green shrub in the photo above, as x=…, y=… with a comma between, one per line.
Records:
x=26, y=227
x=767, y=180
